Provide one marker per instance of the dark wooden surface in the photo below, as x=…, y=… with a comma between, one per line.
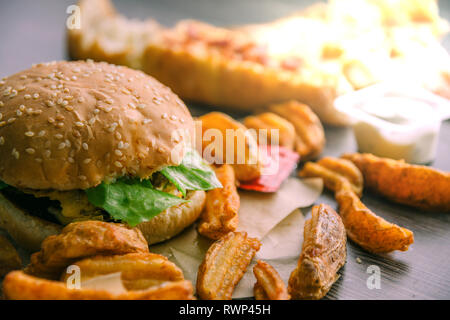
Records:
x=33, y=31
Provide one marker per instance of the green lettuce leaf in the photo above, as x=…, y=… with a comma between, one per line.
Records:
x=2, y=185
x=192, y=174
x=131, y=200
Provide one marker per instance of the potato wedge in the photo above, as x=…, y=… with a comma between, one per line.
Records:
x=9, y=257
x=271, y=121
x=310, y=136
x=21, y=286
x=334, y=171
x=224, y=265
x=323, y=254
x=269, y=285
x=220, y=215
x=139, y=271
x=368, y=230
x=235, y=146
x=416, y=186
x=84, y=239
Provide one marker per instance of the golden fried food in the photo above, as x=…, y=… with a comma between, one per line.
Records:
x=84, y=239
x=9, y=258
x=21, y=286
x=417, y=186
x=224, y=265
x=368, y=230
x=225, y=140
x=334, y=172
x=323, y=254
x=269, y=285
x=139, y=271
x=310, y=136
x=220, y=215
x=270, y=121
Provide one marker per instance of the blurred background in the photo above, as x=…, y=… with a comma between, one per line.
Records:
x=33, y=31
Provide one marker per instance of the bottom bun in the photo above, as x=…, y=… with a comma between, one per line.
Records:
x=172, y=221
x=27, y=230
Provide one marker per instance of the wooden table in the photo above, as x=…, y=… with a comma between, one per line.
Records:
x=33, y=31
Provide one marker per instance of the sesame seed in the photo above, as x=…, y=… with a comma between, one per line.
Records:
x=118, y=164
x=13, y=93
x=15, y=153
x=164, y=116
x=96, y=111
x=1, y=116
x=80, y=99
x=74, y=78
x=51, y=120
x=61, y=146
x=27, y=97
x=2, y=141
x=29, y=133
x=173, y=117
x=92, y=121
x=30, y=150
x=2, y=123
x=82, y=178
x=53, y=87
x=70, y=159
x=11, y=120
x=47, y=153
x=60, y=124
x=147, y=121
x=120, y=145
x=118, y=152
x=41, y=133
x=69, y=108
x=86, y=161
x=21, y=88
x=38, y=160
x=118, y=135
x=23, y=77
x=79, y=124
x=132, y=105
x=36, y=96
x=59, y=136
x=2, y=103
x=22, y=107
x=109, y=101
x=141, y=105
x=64, y=103
x=85, y=146
x=19, y=113
x=68, y=144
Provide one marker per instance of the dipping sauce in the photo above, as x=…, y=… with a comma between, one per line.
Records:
x=395, y=122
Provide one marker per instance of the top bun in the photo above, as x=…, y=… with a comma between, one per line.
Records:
x=71, y=125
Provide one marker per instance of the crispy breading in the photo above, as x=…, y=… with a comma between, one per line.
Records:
x=9, y=257
x=334, y=171
x=239, y=147
x=417, y=186
x=269, y=285
x=270, y=121
x=21, y=286
x=310, y=136
x=323, y=254
x=139, y=271
x=220, y=215
x=84, y=239
x=224, y=265
x=368, y=230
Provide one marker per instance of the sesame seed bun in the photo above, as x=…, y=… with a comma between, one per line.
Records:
x=71, y=125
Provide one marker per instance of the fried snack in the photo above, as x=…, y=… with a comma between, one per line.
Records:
x=270, y=121
x=239, y=147
x=139, y=271
x=269, y=285
x=21, y=286
x=220, y=215
x=416, y=186
x=323, y=254
x=224, y=265
x=368, y=230
x=9, y=258
x=310, y=136
x=334, y=172
x=84, y=239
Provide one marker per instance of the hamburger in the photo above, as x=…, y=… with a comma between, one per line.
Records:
x=94, y=141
